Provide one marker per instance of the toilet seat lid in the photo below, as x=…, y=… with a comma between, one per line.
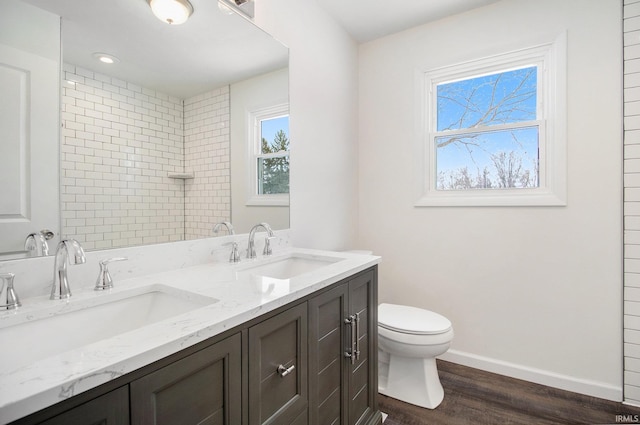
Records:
x=411, y=320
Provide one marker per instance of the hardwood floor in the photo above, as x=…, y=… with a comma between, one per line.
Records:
x=476, y=397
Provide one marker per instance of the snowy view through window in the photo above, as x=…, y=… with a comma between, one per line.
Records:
x=487, y=133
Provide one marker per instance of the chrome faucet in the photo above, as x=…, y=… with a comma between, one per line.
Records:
x=226, y=224
x=251, y=248
x=68, y=250
x=234, y=257
x=8, y=297
x=36, y=244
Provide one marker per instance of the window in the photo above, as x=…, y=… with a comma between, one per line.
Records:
x=269, y=156
x=487, y=130
x=494, y=131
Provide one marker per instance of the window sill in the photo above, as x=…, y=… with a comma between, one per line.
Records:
x=268, y=201
x=491, y=198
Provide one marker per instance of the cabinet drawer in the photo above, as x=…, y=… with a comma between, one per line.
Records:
x=109, y=409
x=201, y=389
x=278, y=368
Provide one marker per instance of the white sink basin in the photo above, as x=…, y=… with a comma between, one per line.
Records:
x=289, y=267
x=67, y=326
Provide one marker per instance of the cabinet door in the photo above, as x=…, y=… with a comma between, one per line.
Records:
x=362, y=375
x=109, y=409
x=327, y=347
x=201, y=389
x=278, y=368
x=343, y=387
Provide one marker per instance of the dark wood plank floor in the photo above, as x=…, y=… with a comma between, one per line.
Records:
x=472, y=396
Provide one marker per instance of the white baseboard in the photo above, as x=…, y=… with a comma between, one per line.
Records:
x=538, y=376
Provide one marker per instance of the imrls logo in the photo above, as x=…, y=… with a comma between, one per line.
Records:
x=627, y=419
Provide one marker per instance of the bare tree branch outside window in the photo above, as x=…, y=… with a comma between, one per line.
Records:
x=486, y=132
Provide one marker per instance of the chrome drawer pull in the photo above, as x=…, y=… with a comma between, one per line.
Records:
x=352, y=353
x=357, y=347
x=284, y=371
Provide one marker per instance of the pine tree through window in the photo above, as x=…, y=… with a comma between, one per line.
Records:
x=273, y=159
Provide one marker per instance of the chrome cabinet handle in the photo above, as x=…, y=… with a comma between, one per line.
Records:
x=357, y=338
x=284, y=371
x=351, y=353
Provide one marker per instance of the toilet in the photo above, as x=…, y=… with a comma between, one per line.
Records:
x=409, y=339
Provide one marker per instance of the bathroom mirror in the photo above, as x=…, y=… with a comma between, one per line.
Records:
x=155, y=147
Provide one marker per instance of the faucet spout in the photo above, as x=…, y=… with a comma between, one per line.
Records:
x=251, y=248
x=68, y=251
x=36, y=244
x=226, y=224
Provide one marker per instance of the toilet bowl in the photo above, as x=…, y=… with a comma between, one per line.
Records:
x=409, y=339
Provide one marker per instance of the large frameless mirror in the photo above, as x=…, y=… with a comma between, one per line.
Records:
x=143, y=133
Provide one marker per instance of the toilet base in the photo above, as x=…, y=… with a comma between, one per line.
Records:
x=410, y=379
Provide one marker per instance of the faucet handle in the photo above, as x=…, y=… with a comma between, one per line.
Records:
x=105, y=281
x=11, y=300
x=234, y=257
x=267, y=245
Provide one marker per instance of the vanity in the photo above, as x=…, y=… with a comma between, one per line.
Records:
x=289, y=338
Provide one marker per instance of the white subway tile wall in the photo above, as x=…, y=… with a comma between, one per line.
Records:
x=632, y=201
x=207, y=155
x=119, y=142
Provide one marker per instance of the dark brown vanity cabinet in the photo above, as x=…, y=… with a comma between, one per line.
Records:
x=278, y=368
x=111, y=408
x=203, y=388
x=343, y=382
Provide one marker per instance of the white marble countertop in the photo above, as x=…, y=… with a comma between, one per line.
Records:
x=27, y=386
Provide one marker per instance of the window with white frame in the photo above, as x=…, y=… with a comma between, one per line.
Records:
x=269, y=156
x=494, y=130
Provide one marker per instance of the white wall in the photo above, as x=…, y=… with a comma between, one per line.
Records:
x=533, y=292
x=246, y=96
x=323, y=129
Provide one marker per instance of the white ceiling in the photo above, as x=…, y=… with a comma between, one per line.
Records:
x=366, y=20
x=210, y=50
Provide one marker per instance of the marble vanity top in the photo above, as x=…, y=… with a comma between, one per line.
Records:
x=239, y=295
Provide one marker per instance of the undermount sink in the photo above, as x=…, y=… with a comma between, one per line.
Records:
x=289, y=267
x=77, y=323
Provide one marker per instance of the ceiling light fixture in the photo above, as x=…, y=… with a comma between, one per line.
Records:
x=106, y=58
x=173, y=12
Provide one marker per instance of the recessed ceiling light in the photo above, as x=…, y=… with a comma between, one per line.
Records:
x=173, y=12
x=106, y=58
